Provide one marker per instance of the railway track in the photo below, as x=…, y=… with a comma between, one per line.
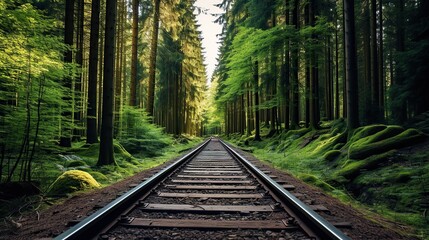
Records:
x=210, y=193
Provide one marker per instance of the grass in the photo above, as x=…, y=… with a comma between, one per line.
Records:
x=371, y=170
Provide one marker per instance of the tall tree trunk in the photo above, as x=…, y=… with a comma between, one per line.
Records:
x=249, y=111
x=366, y=33
x=294, y=102
x=337, y=77
x=381, y=62
x=351, y=66
x=118, y=69
x=374, y=65
x=106, y=136
x=399, y=108
x=65, y=140
x=134, y=62
x=78, y=81
x=152, y=59
x=314, y=78
x=344, y=65
x=256, y=90
x=91, y=124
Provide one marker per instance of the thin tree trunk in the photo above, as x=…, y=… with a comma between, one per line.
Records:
x=314, y=78
x=294, y=102
x=134, y=62
x=91, y=124
x=337, y=77
x=381, y=62
x=152, y=60
x=78, y=96
x=374, y=65
x=65, y=140
x=367, y=112
x=256, y=90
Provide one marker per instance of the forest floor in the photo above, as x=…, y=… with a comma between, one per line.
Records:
x=382, y=169
x=53, y=220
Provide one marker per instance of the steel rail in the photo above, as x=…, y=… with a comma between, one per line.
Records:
x=325, y=228
x=91, y=226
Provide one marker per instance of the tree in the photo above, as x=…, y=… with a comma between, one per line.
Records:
x=152, y=60
x=134, y=62
x=351, y=66
x=256, y=92
x=91, y=128
x=65, y=140
x=294, y=91
x=106, y=136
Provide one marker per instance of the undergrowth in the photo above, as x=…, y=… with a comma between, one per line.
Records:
x=139, y=146
x=379, y=168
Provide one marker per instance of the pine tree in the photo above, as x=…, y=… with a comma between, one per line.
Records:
x=106, y=156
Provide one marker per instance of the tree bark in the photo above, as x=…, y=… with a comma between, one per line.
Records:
x=294, y=102
x=91, y=124
x=134, y=39
x=374, y=65
x=65, y=140
x=106, y=156
x=152, y=60
x=351, y=66
x=256, y=90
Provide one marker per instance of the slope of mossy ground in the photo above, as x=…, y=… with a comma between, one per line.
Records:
x=383, y=168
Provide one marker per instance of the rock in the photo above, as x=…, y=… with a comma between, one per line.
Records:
x=72, y=181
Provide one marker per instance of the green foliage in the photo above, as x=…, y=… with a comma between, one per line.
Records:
x=139, y=137
x=389, y=179
x=72, y=181
x=31, y=94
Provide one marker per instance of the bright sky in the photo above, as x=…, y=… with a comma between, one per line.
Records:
x=209, y=31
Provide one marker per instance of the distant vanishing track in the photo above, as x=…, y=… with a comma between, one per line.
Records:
x=210, y=193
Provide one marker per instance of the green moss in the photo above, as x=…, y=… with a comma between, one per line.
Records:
x=338, y=146
x=365, y=131
x=72, y=181
x=370, y=146
x=352, y=168
x=331, y=155
x=313, y=180
x=76, y=163
x=119, y=149
x=329, y=143
x=99, y=176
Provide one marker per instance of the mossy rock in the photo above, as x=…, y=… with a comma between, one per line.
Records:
x=384, y=141
x=313, y=180
x=72, y=181
x=352, y=168
x=331, y=155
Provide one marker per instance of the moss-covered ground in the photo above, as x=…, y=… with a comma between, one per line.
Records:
x=378, y=168
x=49, y=169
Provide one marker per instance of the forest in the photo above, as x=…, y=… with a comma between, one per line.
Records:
x=333, y=92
